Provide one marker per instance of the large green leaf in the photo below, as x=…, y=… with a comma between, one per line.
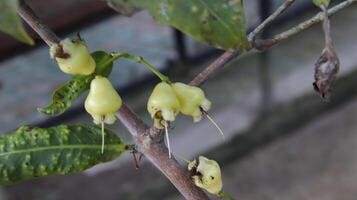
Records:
x=35, y=152
x=66, y=94
x=220, y=23
x=10, y=22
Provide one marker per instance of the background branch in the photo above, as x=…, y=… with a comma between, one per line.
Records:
x=259, y=29
x=268, y=43
x=262, y=45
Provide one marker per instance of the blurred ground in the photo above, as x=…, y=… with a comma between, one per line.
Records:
x=316, y=162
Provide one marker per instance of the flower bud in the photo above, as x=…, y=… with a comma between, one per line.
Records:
x=73, y=57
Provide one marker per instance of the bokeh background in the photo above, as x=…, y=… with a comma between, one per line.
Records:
x=282, y=141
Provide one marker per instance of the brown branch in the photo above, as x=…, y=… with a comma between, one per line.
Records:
x=226, y=57
x=36, y=24
x=259, y=29
x=268, y=43
x=262, y=45
x=131, y=121
x=151, y=144
x=214, y=67
x=149, y=140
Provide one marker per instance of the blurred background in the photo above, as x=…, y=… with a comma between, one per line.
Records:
x=282, y=141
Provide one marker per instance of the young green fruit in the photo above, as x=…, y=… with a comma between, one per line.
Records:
x=73, y=57
x=103, y=101
x=192, y=100
x=163, y=105
x=206, y=174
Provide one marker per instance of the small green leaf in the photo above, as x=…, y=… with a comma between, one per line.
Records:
x=104, y=63
x=219, y=23
x=66, y=94
x=10, y=22
x=35, y=152
x=319, y=3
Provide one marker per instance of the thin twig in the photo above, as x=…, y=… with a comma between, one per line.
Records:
x=268, y=43
x=259, y=29
x=229, y=55
x=326, y=27
x=214, y=67
x=261, y=45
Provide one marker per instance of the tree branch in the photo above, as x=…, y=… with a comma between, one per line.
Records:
x=149, y=140
x=259, y=29
x=36, y=24
x=214, y=67
x=268, y=43
x=226, y=57
x=263, y=45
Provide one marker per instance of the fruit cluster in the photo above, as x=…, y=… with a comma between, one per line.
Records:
x=166, y=101
x=103, y=101
x=169, y=99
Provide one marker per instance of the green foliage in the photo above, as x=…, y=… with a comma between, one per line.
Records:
x=66, y=94
x=10, y=22
x=35, y=152
x=318, y=3
x=219, y=23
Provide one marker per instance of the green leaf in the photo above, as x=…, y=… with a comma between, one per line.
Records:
x=319, y=3
x=104, y=63
x=10, y=22
x=35, y=152
x=219, y=23
x=66, y=94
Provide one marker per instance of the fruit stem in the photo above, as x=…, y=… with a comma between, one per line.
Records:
x=214, y=123
x=141, y=60
x=167, y=138
x=103, y=135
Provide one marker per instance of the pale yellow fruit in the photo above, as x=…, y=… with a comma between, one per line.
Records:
x=192, y=99
x=77, y=61
x=103, y=101
x=163, y=104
